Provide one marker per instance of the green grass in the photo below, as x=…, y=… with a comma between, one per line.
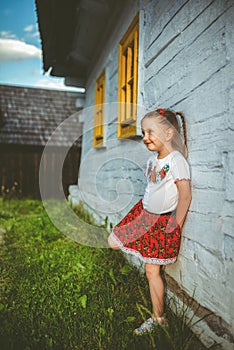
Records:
x=57, y=294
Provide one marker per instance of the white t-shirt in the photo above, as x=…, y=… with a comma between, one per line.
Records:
x=161, y=193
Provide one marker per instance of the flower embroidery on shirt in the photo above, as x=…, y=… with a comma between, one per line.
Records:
x=155, y=175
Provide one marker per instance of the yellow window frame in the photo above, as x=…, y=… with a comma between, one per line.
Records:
x=99, y=110
x=128, y=81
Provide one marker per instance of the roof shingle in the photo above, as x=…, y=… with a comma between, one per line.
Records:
x=28, y=116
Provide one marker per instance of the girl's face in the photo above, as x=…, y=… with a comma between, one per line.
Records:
x=154, y=135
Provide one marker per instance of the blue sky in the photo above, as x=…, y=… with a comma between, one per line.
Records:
x=20, y=47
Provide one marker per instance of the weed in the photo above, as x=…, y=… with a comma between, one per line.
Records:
x=13, y=192
x=57, y=294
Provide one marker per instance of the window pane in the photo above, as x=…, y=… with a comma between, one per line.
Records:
x=99, y=111
x=128, y=71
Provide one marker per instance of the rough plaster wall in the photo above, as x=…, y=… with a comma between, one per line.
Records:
x=111, y=178
x=187, y=65
x=188, y=57
x=114, y=173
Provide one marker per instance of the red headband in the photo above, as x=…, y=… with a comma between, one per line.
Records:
x=161, y=111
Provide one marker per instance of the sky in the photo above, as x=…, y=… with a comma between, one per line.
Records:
x=20, y=47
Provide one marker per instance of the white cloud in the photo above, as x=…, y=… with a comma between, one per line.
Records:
x=15, y=50
x=32, y=32
x=35, y=34
x=47, y=82
x=29, y=28
x=7, y=35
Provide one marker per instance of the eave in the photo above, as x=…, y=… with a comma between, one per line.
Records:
x=73, y=34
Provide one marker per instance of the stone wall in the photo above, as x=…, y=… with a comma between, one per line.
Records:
x=186, y=63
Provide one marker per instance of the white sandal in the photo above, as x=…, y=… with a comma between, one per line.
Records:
x=149, y=325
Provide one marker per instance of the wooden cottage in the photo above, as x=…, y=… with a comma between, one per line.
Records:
x=28, y=118
x=138, y=55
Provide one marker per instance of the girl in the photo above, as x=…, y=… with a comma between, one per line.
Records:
x=152, y=228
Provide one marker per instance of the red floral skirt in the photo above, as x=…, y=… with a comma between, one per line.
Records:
x=154, y=238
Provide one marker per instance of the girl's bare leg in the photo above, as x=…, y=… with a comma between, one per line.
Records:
x=156, y=286
x=112, y=244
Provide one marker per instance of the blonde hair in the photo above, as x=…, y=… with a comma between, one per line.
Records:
x=175, y=120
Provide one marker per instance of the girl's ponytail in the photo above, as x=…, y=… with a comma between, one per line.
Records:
x=183, y=130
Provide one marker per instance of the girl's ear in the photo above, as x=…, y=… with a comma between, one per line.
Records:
x=169, y=134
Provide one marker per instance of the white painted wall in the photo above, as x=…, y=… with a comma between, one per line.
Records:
x=111, y=179
x=193, y=74
x=186, y=63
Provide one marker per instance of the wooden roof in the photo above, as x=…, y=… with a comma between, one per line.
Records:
x=28, y=116
x=73, y=33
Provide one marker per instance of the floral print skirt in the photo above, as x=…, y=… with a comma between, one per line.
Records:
x=154, y=238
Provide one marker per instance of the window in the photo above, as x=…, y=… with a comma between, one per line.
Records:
x=128, y=78
x=99, y=111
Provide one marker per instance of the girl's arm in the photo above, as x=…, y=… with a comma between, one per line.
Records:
x=185, y=198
